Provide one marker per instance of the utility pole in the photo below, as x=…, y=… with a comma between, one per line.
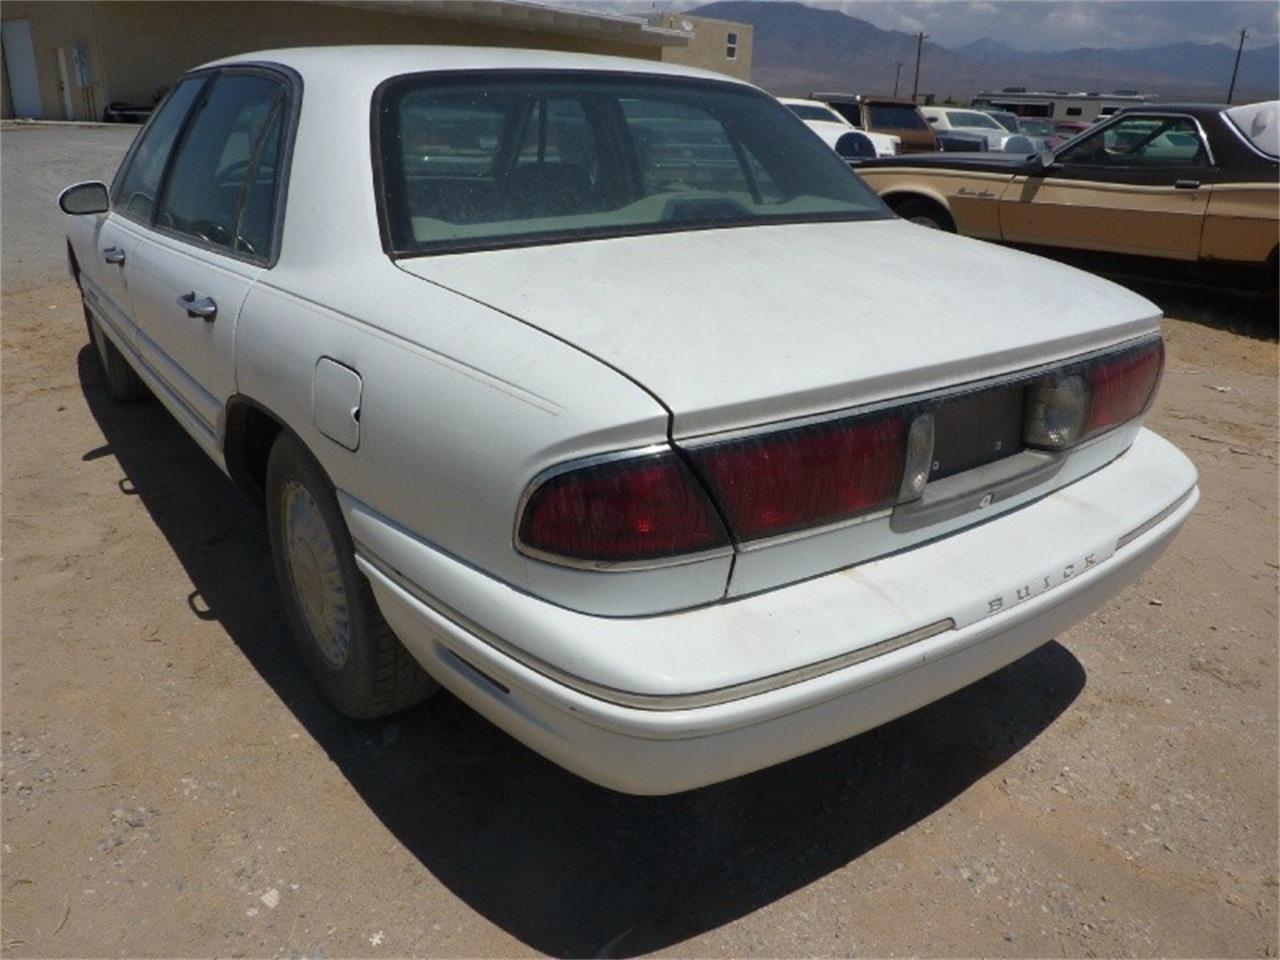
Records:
x=897, y=75
x=1235, y=69
x=915, y=86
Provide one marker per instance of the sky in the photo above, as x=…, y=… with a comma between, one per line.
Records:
x=1042, y=24
x=1063, y=24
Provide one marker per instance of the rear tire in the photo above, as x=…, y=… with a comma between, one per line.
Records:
x=926, y=213
x=350, y=651
x=123, y=384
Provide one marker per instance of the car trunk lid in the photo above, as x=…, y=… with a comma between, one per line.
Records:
x=730, y=328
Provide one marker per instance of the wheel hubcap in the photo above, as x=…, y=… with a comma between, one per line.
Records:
x=315, y=574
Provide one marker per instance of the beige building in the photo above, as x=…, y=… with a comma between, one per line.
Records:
x=70, y=60
x=720, y=45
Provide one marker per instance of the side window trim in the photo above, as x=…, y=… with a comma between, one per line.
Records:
x=197, y=108
x=291, y=96
x=251, y=172
x=129, y=157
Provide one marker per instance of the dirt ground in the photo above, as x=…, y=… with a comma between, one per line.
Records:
x=173, y=786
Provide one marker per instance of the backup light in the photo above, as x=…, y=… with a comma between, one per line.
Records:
x=1086, y=399
x=1055, y=411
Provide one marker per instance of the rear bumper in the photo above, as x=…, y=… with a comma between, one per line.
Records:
x=989, y=595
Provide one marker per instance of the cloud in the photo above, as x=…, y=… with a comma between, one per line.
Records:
x=1038, y=24
x=1065, y=24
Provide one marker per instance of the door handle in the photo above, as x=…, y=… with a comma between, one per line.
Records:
x=197, y=306
x=113, y=255
x=1186, y=184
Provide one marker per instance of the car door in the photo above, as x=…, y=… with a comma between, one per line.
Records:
x=212, y=235
x=1138, y=185
x=106, y=255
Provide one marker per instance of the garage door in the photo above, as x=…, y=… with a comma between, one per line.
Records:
x=20, y=64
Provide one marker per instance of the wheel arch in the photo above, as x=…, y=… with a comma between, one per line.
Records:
x=250, y=428
x=896, y=198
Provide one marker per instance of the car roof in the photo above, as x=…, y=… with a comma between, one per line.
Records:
x=803, y=102
x=1195, y=109
x=375, y=63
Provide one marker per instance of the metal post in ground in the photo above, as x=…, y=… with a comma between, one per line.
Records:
x=915, y=85
x=1236, y=68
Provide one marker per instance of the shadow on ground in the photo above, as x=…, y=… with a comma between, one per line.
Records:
x=566, y=867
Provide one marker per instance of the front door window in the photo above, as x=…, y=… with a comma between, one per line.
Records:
x=1143, y=142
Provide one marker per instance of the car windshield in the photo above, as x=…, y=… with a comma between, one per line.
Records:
x=809, y=111
x=971, y=118
x=895, y=116
x=477, y=161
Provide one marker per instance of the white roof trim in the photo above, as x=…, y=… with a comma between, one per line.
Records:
x=534, y=16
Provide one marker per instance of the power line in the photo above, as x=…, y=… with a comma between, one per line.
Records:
x=919, y=48
x=1235, y=69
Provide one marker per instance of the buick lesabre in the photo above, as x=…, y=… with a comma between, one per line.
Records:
x=535, y=363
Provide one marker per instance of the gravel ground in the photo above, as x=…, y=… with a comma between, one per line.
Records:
x=172, y=785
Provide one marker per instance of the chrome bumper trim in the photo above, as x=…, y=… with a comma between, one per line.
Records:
x=644, y=701
x=1163, y=515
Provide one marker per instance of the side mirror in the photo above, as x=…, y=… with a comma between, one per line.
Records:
x=88, y=197
x=1044, y=160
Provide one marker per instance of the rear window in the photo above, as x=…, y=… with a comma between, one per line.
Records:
x=895, y=116
x=503, y=159
x=1259, y=123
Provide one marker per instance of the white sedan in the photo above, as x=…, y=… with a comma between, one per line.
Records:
x=534, y=362
x=972, y=122
x=831, y=126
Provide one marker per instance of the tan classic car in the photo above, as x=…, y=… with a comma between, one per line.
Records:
x=1152, y=190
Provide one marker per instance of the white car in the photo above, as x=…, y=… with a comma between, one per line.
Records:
x=831, y=126
x=534, y=361
x=965, y=120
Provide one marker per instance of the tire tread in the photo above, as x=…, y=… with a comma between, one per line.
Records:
x=388, y=679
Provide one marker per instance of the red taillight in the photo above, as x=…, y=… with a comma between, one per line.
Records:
x=1120, y=387
x=650, y=506
x=643, y=507
x=805, y=476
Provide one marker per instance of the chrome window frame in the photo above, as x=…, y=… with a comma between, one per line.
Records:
x=1123, y=114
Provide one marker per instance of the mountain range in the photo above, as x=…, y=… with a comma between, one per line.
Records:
x=798, y=49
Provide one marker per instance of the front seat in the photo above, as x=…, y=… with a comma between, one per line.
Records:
x=551, y=190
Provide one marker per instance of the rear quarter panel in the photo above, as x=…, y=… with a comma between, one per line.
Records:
x=1242, y=222
x=461, y=407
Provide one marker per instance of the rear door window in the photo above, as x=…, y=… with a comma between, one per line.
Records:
x=137, y=184
x=226, y=166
